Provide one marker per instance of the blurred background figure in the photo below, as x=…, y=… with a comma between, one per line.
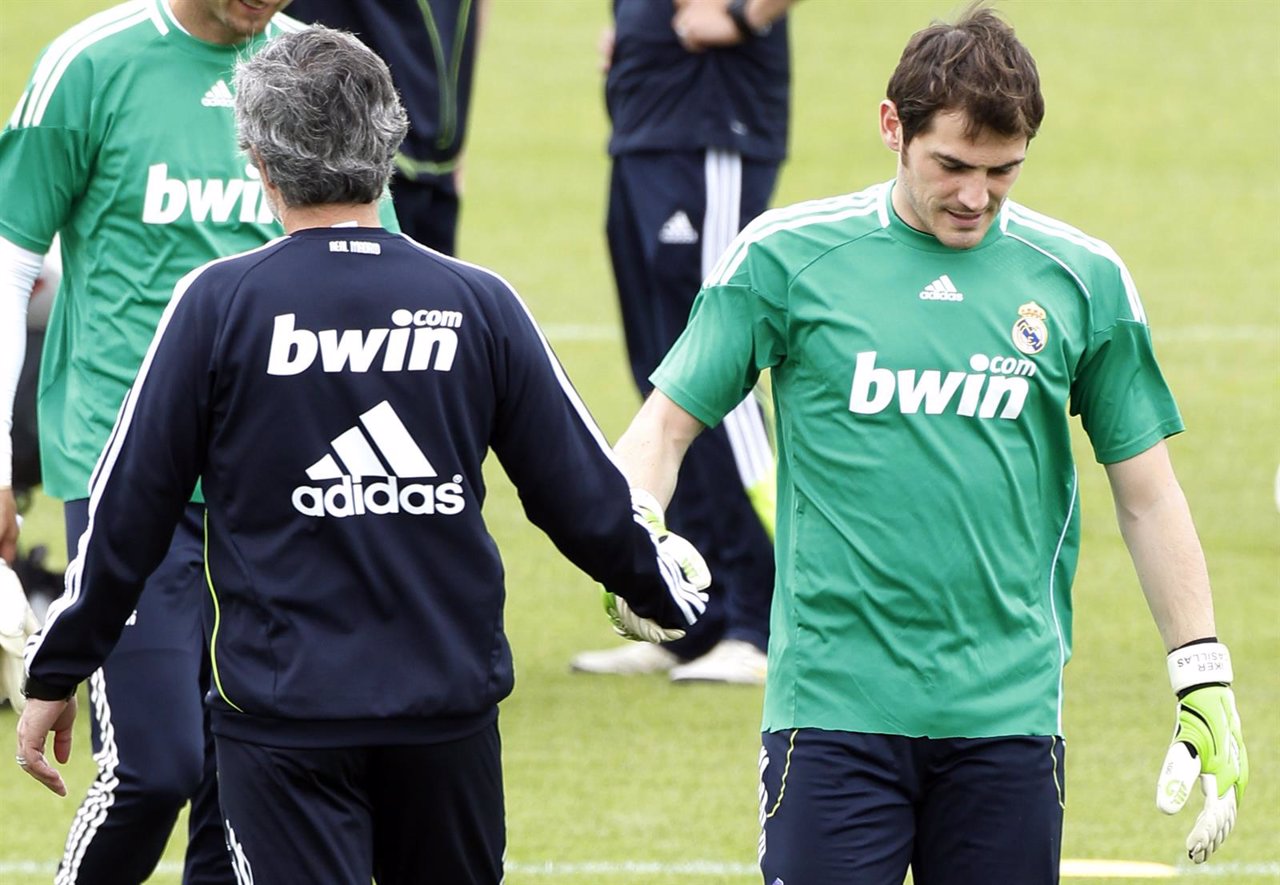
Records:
x=698, y=94
x=122, y=143
x=430, y=47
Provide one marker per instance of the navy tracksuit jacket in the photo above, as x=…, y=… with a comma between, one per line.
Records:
x=338, y=390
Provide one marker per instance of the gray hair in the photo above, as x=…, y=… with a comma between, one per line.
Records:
x=318, y=109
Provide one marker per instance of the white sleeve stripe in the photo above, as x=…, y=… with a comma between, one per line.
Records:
x=73, y=35
x=771, y=223
x=755, y=226
x=1054, y=258
x=42, y=92
x=1046, y=225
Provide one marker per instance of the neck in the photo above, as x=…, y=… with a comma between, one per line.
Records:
x=198, y=20
x=302, y=217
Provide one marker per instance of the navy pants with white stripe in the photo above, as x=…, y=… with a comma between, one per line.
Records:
x=858, y=808
x=671, y=216
x=150, y=731
x=402, y=815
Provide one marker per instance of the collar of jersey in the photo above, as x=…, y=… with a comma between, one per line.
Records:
x=908, y=235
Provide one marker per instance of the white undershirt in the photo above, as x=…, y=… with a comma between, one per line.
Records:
x=19, y=269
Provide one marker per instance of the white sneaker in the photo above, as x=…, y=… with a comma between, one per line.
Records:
x=730, y=660
x=631, y=659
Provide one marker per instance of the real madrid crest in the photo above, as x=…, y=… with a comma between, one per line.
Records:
x=1030, y=334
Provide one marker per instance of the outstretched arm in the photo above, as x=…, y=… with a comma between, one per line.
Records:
x=654, y=445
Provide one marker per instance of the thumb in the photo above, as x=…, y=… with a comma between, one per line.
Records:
x=1179, y=772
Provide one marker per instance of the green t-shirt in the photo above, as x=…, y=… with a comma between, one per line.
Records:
x=124, y=141
x=927, y=504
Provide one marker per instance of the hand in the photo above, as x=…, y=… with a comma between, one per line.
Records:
x=38, y=719
x=9, y=526
x=704, y=24
x=604, y=46
x=1208, y=746
x=683, y=569
x=630, y=625
x=17, y=623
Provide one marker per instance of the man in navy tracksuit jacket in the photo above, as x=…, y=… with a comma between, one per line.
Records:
x=337, y=391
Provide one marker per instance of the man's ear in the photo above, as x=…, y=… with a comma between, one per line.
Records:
x=256, y=159
x=890, y=126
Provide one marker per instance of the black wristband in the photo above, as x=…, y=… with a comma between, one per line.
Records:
x=36, y=689
x=738, y=12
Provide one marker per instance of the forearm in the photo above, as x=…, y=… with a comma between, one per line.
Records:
x=1156, y=524
x=761, y=13
x=708, y=24
x=652, y=448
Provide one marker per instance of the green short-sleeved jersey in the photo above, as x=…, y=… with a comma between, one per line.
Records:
x=927, y=505
x=124, y=141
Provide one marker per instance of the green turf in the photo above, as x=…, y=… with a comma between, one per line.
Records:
x=1160, y=137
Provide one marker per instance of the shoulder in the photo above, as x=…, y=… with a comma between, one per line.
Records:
x=841, y=216
x=1093, y=263
x=485, y=284
x=795, y=235
x=88, y=53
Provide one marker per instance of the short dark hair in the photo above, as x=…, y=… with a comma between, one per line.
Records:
x=319, y=110
x=977, y=66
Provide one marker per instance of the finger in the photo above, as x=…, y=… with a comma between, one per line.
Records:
x=1178, y=773
x=1214, y=823
x=33, y=763
x=62, y=745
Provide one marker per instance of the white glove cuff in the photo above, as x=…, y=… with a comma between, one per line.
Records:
x=645, y=500
x=1199, y=664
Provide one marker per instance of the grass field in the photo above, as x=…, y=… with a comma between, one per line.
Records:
x=1161, y=137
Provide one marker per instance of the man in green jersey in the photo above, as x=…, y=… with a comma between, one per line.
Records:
x=124, y=142
x=927, y=339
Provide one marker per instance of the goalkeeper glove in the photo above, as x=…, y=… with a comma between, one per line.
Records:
x=17, y=623
x=1207, y=746
x=683, y=570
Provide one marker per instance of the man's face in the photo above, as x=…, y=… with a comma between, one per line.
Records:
x=950, y=185
x=226, y=21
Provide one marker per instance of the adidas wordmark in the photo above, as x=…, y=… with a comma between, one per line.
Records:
x=378, y=448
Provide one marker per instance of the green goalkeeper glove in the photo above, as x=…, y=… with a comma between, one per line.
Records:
x=1208, y=746
x=683, y=570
